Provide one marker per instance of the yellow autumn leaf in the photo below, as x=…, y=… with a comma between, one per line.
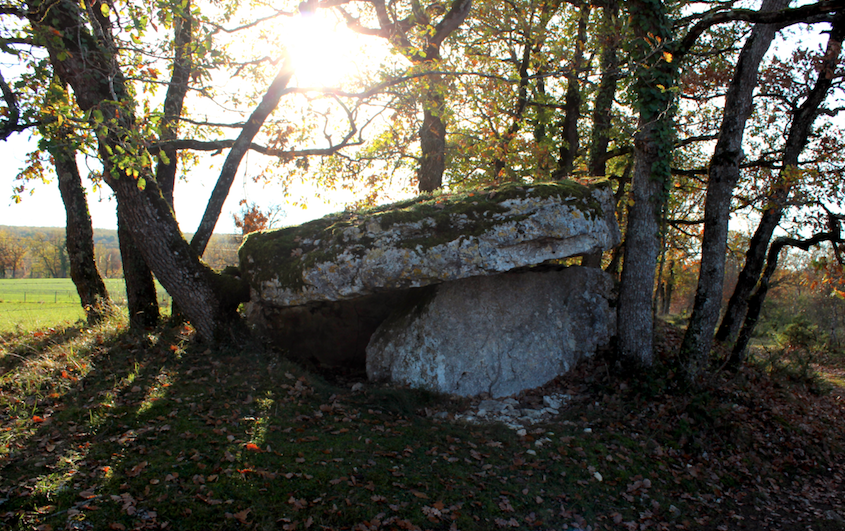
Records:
x=667, y=57
x=104, y=9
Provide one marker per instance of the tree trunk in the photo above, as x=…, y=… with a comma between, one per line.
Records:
x=723, y=176
x=175, y=98
x=755, y=302
x=603, y=105
x=569, y=144
x=141, y=297
x=799, y=132
x=432, y=138
x=641, y=249
x=227, y=174
x=80, y=236
x=87, y=63
x=652, y=155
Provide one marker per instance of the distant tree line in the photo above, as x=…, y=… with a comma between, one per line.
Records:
x=41, y=252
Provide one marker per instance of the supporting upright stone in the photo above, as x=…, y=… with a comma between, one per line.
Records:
x=497, y=335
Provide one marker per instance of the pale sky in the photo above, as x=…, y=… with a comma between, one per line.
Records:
x=318, y=63
x=44, y=208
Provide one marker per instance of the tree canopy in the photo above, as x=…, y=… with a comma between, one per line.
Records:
x=656, y=96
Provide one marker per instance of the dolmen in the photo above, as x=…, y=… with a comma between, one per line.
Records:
x=457, y=292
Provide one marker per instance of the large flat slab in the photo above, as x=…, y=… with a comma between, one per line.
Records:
x=428, y=240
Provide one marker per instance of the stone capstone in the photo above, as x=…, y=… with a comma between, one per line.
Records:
x=428, y=240
x=497, y=335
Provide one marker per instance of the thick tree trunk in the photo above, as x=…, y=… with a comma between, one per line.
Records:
x=141, y=297
x=80, y=236
x=652, y=153
x=723, y=176
x=799, y=132
x=432, y=138
x=634, y=319
x=87, y=63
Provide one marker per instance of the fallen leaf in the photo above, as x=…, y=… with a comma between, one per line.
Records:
x=242, y=515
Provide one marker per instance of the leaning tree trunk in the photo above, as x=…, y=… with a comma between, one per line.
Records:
x=722, y=178
x=799, y=132
x=87, y=62
x=80, y=235
x=755, y=302
x=141, y=297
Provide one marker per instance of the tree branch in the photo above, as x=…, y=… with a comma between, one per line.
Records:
x=239, y=148
x=785, y=17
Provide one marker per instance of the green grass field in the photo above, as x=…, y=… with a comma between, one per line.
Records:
x=28, y=304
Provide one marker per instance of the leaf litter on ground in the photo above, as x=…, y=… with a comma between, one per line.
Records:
x=147, y=436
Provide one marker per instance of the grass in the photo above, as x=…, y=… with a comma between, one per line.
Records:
x=30, y=304
x=105, y=429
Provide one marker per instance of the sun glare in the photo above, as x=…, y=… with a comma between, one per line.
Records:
x=324, y=51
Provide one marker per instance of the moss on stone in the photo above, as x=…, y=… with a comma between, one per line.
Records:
x=453, y=215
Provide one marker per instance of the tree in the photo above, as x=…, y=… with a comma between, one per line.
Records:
x=12, y=252
x=758, y=297
x=797, y=137
x=79, y=233
x=656, y=74
x=723, y=175
x=412, y=31
x=50, y=251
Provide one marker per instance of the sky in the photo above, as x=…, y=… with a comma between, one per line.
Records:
x=317, y=63
x=42, y=205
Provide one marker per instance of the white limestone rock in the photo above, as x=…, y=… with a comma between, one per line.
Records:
x=498, y=335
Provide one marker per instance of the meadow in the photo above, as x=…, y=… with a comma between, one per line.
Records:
x=33, y=303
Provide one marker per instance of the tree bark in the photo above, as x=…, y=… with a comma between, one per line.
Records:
x=432, y=138
x=603, y=105
x=799, y=132
x=652, y=154
x=569, y=144
x=87, y=62
x=79, y=235
x=723, y=176
x=141, y=297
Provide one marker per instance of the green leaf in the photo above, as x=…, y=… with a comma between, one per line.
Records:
x=142, y=183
